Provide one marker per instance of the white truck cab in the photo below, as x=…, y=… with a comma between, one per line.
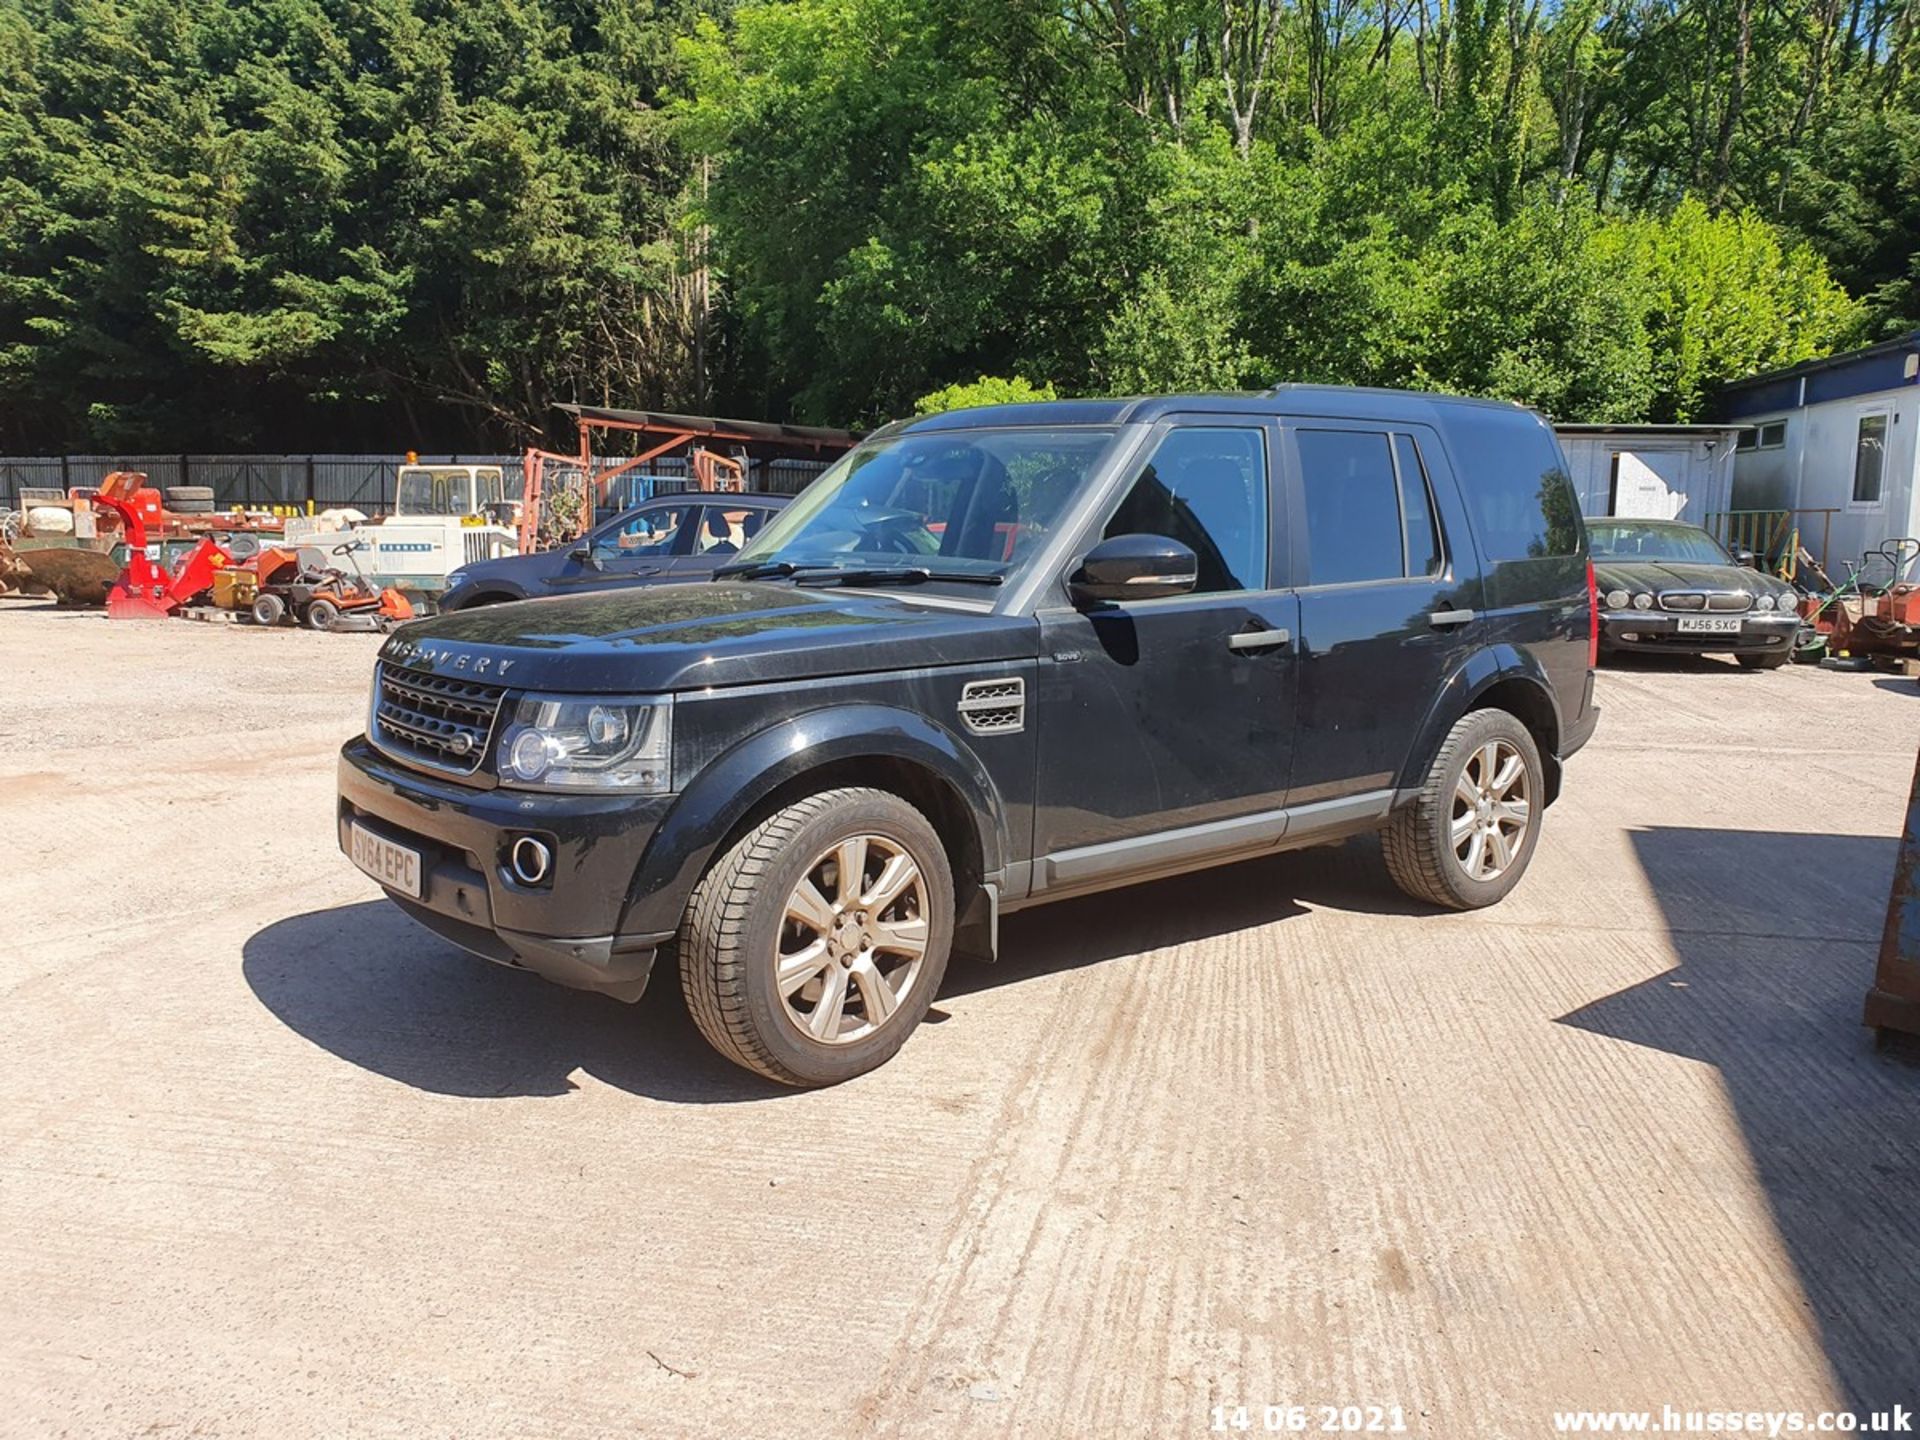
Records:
x=444, y=516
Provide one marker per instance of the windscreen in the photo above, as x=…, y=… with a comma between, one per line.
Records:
x=979, y=501
x=437, y=490
x=1687, y=544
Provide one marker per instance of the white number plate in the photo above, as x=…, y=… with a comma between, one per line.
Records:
x=1707, y=625
x=394, y=866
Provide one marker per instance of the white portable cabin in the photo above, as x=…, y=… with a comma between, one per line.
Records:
x=1652, y=472
x=1832, y=441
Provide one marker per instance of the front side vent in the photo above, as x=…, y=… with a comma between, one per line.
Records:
x=994, y=707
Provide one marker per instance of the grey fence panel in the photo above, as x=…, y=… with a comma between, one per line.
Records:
x=29, y=472
x=362, y=482
x=161, y=470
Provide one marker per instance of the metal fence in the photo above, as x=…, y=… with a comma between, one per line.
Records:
x=363, y=482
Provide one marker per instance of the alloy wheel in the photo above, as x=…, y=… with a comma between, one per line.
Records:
x=1491, y=810
x=853, y=941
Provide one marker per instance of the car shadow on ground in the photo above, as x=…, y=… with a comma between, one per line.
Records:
x=1832, y=1124
x=369, y=985
x=1647, y=662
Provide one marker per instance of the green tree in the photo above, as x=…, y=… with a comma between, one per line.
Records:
x=987, y=390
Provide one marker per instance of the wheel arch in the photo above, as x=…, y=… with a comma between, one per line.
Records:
x=867, y=745
x=1501, y=677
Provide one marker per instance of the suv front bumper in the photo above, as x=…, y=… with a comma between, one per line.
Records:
x=567, y=928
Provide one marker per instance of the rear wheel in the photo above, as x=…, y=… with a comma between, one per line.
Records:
x=1764, y=662
x=268, y=609
x=813, y=947
x=1466, y=841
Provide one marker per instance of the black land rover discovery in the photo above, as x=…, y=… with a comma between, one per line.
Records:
x=989, y=659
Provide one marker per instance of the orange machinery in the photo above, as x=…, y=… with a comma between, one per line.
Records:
x=146, y=589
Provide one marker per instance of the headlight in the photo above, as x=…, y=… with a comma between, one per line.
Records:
x=1789, y=604
x=1643, y=602
x=586, y=742
x=1765, y=602
x=1617, y=599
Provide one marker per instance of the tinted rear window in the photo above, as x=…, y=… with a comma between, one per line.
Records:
x=1516, y=485
x=1353, y=506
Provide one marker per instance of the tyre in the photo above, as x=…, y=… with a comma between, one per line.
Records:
x=268, y=609
x=812, y=948
x=1764, y=662
x=1465, y=842
x=189, y=499
x=320, y=615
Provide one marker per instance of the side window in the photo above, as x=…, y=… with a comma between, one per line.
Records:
x=1207, y=488
x=1869, y=458
x=1353, y=506
x=720, y=530
x=651, y=532
x=1424, y=555
x=1515, y=484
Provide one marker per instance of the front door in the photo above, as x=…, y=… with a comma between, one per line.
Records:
x=638, y=545
x=1384, y=617
x=1166, y=726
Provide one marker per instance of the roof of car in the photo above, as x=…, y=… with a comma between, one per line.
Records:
x=1644, y=523
x=765, y=497
x=1351, y=402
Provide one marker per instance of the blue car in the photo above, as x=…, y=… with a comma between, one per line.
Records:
x=672, y=538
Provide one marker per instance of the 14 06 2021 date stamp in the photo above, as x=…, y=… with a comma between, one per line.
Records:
x=1308, y=1419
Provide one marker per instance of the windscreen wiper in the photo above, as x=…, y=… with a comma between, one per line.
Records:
x=757, y=570
x=895, y=575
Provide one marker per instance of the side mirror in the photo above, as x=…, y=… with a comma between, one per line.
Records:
x=1746, y=558
x=583, y=555
x=1134, y=567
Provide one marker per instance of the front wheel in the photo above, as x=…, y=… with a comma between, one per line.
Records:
x=1465, y=842
x=320, y=615
x=813, y=947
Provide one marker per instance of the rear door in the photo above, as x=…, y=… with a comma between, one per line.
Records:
x=1166, y=726
x=720, y=530
x=1385, y=613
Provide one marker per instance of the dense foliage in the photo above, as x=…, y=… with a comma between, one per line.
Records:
x=302, y=223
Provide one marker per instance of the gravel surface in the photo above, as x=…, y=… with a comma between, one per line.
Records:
x=276, y=1162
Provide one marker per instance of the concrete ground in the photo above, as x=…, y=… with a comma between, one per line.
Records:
x=275, y=1162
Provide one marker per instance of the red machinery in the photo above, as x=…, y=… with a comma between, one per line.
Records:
x=563, y=491
x=147, y=590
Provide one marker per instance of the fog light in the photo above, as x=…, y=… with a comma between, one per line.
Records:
x=532, y=860
x=1629, y=634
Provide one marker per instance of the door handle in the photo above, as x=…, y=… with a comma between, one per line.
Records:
x=1450, y=617
x=1260, y=639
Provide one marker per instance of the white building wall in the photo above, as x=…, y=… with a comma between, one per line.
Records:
x=1814, y=471
x=1700, y=469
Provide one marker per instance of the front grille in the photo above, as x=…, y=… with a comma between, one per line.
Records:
x=1721, y=600
x=994, y=707
x=435, y=720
